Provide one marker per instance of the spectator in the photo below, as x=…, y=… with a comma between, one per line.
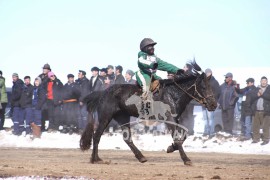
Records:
x=71, y=109
x=26, y=104
x=119, y=78
x=227, y=101
x=170, y=75
x=44, y=79
x=15, y=104
x=103, y=73
x=38, y=101
x=96, y=82
x=83, y=84
x=129, y=75
x=210, y=125
x=54, y=87
x=246, y=110
x=261, y=98
x=3, y=100
x=110, y=76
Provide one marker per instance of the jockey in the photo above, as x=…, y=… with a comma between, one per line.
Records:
x=148, y=63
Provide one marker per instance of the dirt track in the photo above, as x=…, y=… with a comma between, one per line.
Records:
x=160, y=165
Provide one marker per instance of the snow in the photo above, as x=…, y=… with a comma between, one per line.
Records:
x=220, y=143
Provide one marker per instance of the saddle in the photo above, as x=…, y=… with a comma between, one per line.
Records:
x=154, y=86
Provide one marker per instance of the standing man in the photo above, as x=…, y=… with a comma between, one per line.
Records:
x=247, y=112
x=44, y=79
x=96, y=82
x=3, y=100
x=261, y=96
x=54, y=97
x=71, y=109
x=15, y=104
x=83, y=84
x=26, y=104
x=129, y=74
x=210, y=125
x=119, y=78
x=227, y=101
x=110, y=76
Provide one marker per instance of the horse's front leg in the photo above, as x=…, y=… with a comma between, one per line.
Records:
x=128, y=139
x=179, y=136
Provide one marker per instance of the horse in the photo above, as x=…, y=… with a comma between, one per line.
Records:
x=177, y=93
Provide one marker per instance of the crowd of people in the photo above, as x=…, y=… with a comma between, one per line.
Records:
x=62, y=105
x=49, y=99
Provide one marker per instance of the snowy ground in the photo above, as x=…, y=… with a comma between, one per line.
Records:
x=147, y=142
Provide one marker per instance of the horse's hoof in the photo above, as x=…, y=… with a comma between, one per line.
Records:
x=170, y=149
x=188, y=163
x=143, y=160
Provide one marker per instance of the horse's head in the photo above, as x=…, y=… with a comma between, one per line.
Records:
x=204, y=93
x=200, y=90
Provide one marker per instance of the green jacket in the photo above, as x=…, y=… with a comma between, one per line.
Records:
x=3, y=92
x=146, y=63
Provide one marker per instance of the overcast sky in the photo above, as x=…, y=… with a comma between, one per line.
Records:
x=72, y=35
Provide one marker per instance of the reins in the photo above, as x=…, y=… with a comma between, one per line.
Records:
x=190, y=95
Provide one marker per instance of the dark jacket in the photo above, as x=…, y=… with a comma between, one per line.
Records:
x=131, y=81
x=84, y=87
x=215, y=87
x=119, y=79
x=98, y=84
x=57, y=91
x=16, y=93
x=228, y=96
x=266, y=100
x=248, y=107
x=39, y=97
x=71, y=91
x=26, y=96
x=44, y=80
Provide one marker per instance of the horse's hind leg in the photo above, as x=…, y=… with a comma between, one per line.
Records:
x=127, y=138
x=104, y=121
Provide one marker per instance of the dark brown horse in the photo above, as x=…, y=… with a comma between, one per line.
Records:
x=177, y=93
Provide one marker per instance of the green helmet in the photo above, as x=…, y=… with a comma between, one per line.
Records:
x=145, y=42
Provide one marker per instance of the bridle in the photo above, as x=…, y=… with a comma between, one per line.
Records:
x=202, y=99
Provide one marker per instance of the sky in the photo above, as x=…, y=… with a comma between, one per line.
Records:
x=77, y=35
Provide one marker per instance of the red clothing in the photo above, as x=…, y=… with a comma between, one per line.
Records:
x=50, y=90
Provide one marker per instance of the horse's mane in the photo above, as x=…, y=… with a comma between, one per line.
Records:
x=184, y=76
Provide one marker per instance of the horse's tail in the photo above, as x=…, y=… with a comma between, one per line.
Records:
x=93, y=100
x=87, y=135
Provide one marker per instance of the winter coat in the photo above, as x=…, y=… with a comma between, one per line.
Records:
x=57, y=91
x=71, y=91
x=131, y=81
x=228, y=96
x=3, y=91
x=98, y=84
x=39, y=97
x=266, y=100
x=26, y=96
x=215, y=87
x=84, y=87
x=44, y=80
x=16, y=93
x=247, y=105
x=119, y=79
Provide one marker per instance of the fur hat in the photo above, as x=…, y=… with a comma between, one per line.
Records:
x=39, y=80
